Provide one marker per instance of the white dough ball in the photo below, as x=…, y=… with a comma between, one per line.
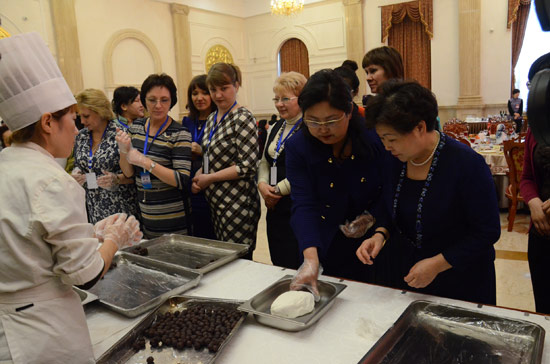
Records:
x=293, y=304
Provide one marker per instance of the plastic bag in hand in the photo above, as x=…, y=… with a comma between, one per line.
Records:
x=78, y=176
x=358, y=227
x=121, y=230
x=108, y=181
x=306, y=278
x=124, y=141
x=137, y=159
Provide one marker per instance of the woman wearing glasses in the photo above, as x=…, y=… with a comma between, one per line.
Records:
x=157, y=152
x=230, y=161
x=335, y=167
x=443, y=202
x=272, y=182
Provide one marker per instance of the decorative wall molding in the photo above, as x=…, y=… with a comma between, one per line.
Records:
x=111, y=45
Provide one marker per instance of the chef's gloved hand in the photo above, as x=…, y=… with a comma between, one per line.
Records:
x=99, y=228
x=108, y=180
x=122, y=231
x=124, y=141
x=358, y=227
x=137, y=158
x=78, y=176
x=306, y=278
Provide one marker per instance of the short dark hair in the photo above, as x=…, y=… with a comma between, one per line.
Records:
x=540, y=63
x=349, y=76
x=123, y=95
x=388, y=58
x=326, y=85
x=515, y=91
x=197, y=82
x=160, y=80
x=352, y=65
x=402, y=105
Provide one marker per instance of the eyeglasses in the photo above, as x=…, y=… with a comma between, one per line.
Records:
x=155, y=101
x=327, y=124
x=284, y=100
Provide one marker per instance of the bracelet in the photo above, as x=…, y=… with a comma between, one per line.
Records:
x=383, y=234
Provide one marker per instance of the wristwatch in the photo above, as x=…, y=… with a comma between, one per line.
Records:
x=153, y=164
x=276, y=190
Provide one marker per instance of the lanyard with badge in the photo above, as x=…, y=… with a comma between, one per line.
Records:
x=91, y=180
x=197, y=132
x=280, y=143
x=122, y=123
x=145, y=175
x=205, y=168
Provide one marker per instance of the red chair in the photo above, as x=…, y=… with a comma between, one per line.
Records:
x=513, y=151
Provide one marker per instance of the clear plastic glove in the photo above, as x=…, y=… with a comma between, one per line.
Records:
x=306, y=278
x=358, y=227
x=108, y=180
x=99, y=228
x=78, y=176
x=124, y=141
x=121, y=230
x=137, y=158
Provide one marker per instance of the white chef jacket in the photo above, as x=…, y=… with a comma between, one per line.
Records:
x=46, y=246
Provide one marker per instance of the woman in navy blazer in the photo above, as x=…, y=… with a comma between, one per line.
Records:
x=335, y=167
x=442, y=201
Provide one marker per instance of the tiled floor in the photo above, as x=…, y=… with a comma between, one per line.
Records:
x=513, y=280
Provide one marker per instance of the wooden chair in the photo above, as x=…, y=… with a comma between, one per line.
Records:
x=464, y=141
x=513, y=152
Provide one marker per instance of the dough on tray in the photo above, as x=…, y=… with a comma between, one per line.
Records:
x=293, y=304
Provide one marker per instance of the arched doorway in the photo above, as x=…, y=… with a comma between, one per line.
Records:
x=294, y=56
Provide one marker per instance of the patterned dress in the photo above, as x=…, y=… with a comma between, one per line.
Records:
x=100, y=202
x=234, y=205
x=164, y=208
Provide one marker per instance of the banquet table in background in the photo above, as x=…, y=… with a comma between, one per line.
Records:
x=499, y=169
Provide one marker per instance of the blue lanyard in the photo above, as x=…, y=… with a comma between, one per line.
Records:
x=281, y=142
x=125, y=125
x=90, y=155
x=145, y=149
x=197, y=135
x=218, y=124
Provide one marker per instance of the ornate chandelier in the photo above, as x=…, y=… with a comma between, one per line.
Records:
x=286, y=7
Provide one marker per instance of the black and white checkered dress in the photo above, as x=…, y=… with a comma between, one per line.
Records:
x=234, y=205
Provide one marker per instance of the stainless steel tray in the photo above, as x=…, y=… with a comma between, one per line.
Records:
x=427, y=332
x=137, y=285
x=260, y=305
x=197, y=254
x=123, y=352
x=85, y=296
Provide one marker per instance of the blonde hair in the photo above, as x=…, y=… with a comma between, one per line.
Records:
x=96, y=101
x=222, y=74
x=290, y=81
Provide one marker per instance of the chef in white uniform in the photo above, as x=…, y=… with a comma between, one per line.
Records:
x=46, y=244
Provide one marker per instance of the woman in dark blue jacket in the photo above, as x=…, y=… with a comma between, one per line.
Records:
x=443, y=201
x=335, y=167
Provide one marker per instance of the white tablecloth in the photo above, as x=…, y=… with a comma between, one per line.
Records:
x=360, y=316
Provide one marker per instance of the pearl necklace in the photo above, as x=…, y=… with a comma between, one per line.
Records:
x=430, y=156
x=418, y=224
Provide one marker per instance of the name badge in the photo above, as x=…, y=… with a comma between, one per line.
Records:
x=205, y=168
x=146, y=180
x=91, y=181
x=273, y=175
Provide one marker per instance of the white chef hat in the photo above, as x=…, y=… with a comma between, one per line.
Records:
x=31, y=84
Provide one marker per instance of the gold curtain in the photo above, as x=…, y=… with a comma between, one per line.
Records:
x=518, y=12
x=294, y=57
x=418, y=11
x=408, y=27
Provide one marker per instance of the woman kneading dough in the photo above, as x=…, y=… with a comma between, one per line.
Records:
x=46, y=243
